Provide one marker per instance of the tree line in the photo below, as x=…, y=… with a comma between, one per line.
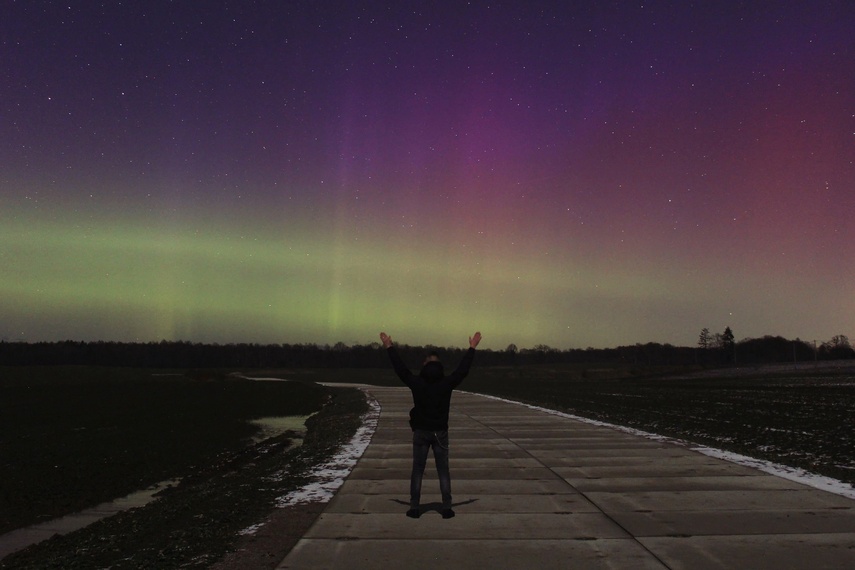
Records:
x=722, y=348
x=712, y=350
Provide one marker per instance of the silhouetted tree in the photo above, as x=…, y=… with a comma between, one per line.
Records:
x=837, y=348
x=183, y=354
x=773, y=349
x=728, y=345
x=704, y=339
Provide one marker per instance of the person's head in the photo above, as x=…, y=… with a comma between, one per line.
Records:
x=432, y=370
x=431, y=357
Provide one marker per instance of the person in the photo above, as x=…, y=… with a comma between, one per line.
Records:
x=431, y=390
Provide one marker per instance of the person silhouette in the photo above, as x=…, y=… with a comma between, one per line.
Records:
x=431, y=390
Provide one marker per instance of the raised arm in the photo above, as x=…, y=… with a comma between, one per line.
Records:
x=400, y=368
x=462, y=370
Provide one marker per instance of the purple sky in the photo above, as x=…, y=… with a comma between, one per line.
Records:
x=574, y=174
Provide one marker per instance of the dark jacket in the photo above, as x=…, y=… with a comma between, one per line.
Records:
x=431, y=390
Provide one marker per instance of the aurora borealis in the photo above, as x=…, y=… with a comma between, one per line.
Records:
x=573, y=174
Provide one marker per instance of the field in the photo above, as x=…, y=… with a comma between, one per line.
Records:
x=74, y=437
x=802, y=420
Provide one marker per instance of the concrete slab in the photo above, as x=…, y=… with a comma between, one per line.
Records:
x=488, y=448
x=482, y=503
x=553, y=435
x=459, y=473
x=569, y=445
x=693, y=523
x=426, y=554
x=660, y=452
x=662, y=469
x=613, y=459
x=474, y=526
x=478, y=462
x=697, y=483
x=772, y=551
x=744, y=500
x=532, y=489
x=461, y=488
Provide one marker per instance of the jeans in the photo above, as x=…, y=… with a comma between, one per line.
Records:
x=423, y=441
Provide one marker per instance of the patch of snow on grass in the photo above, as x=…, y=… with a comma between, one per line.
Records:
x=326, y=478
x=250, y=530
x=784, y=471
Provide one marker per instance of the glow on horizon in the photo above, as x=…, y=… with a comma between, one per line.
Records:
x=202, y=280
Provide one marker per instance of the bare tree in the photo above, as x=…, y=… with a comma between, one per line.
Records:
x=704, y=339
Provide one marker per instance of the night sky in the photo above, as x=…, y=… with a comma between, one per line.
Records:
x=565, y=173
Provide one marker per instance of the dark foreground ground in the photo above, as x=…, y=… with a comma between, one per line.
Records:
x=197, y=523
x=798, y=418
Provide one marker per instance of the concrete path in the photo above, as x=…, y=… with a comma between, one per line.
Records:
x=534, y=490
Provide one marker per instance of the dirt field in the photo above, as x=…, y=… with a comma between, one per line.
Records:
x=797, y=417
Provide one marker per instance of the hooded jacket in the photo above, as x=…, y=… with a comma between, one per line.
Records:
x=431, y=390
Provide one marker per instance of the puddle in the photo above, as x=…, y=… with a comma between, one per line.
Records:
x=274, y=426
x=23, y=537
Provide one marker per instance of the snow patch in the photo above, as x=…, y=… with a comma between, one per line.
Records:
x=250, y=530
x=784, y=471
x=326, y=478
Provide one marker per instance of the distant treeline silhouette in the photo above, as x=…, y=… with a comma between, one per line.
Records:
x=181, y=354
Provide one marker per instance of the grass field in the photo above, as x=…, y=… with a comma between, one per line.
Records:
x=75, y=437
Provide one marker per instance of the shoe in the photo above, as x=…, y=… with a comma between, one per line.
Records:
x=414, y=513
x=447, y=513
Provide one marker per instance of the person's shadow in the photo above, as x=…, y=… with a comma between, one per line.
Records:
x=427, y=507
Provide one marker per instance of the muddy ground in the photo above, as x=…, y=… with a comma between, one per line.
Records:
x=198, y=524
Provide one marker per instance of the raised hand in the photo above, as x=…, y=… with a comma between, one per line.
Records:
x=386, y=340
x=474, y=340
